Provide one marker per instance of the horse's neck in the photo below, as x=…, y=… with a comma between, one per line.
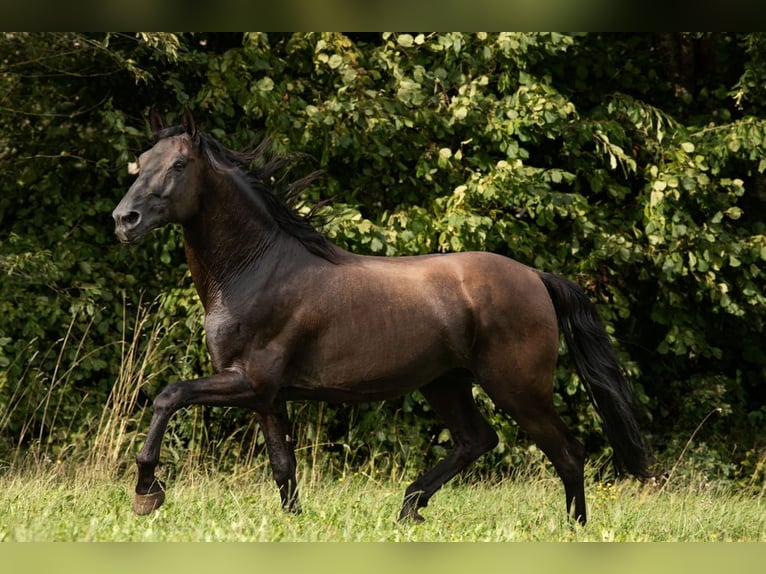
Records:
x=228, y=237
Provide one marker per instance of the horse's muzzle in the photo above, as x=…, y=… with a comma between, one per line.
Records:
x=126, y=225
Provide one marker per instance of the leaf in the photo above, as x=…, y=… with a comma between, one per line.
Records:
x=405, y=40
x=265, y=84
x=688, y=147
x=376, y=245
x=335, y=61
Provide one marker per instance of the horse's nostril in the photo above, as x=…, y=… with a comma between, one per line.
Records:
x=131, y=218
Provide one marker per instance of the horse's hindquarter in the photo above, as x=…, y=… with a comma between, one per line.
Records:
x=380, y=327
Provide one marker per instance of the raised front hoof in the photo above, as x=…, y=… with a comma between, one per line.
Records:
x=144, y=504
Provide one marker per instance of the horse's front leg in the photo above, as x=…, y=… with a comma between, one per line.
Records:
x=275, y=425
x=227, y=388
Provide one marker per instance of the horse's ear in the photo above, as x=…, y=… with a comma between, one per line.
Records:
x=156, y=122
x=188, y=123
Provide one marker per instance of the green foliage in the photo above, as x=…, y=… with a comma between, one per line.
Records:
x=597, y=156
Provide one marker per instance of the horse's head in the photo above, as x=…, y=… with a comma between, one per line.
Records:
x=167, y=187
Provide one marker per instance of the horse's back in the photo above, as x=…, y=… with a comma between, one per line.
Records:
x=494, y=288
x=469, y=297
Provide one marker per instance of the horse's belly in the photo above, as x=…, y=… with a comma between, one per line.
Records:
x=384, y=368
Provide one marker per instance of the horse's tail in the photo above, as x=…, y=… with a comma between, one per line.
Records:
x=599, y=368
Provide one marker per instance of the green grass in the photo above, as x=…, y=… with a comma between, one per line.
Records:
x=63, y=504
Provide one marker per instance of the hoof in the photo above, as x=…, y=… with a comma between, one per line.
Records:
x=147, y=503
x=295, y=510
x=411, y=515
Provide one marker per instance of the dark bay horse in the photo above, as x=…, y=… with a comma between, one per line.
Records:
x=289, y=315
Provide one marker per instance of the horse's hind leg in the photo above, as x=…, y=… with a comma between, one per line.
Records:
x=531, y=406
x=565, y=452
x=451, y=399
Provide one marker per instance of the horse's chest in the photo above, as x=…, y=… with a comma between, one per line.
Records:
x=226, y=339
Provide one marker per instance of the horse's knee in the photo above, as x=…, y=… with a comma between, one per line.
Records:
x=168, y=400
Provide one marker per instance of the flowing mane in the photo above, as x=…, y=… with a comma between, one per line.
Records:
x=265, y=175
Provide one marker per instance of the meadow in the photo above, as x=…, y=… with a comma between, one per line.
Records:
x=58, y=502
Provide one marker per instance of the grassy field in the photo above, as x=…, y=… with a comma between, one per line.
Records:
x=63, y=504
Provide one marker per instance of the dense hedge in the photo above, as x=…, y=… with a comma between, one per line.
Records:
x=632, y=164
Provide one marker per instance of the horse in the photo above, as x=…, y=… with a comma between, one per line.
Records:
x=289, y=315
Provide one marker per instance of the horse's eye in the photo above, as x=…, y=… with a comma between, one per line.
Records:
x=179, y=165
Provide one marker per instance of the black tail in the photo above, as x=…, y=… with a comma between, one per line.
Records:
x=598, y=367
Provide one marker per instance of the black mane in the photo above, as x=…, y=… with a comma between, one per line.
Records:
x=265, y=174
